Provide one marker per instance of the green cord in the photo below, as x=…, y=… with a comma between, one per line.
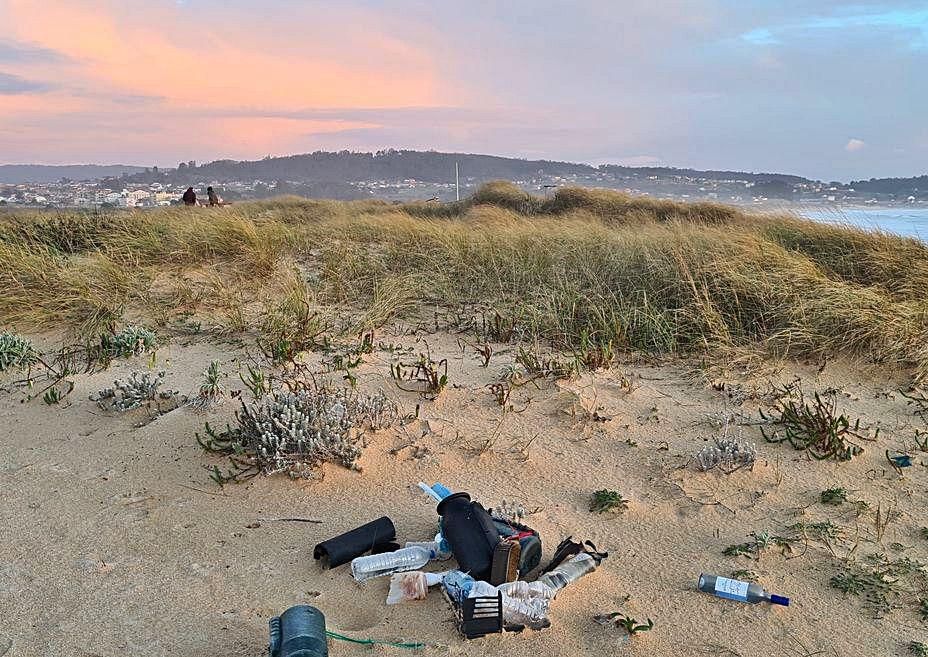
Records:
x=374, y=642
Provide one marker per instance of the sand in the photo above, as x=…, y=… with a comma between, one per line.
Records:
x=115, y=541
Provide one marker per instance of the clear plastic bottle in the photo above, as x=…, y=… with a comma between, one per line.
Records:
x=433, y=546
x=378, y=565
x=734, y=589
x=522, y=589
x=529, y=611
x=568, y=572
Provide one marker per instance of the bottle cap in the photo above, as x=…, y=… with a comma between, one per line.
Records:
x=779, y=600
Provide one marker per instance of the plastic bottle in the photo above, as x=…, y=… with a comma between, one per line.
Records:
x=432, y=546
x=529, y=611
x=457, y=585
x=568, y=572
x=377, y=565
x=522, y=589
x=734, y=589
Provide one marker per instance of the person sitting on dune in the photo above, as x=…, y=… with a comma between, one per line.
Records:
x=214, y=198
x=190, y=197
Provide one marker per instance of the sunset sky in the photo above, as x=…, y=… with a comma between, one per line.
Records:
x=828, y=89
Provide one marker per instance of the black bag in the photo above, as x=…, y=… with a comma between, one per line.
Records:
x=471, y=533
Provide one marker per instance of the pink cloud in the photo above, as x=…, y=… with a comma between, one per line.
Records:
x=151, y=75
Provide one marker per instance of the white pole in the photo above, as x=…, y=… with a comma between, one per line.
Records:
x=457, y=183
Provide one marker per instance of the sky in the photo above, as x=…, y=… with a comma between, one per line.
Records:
x=833, y=90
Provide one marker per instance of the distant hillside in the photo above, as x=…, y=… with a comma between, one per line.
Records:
x=345, y=166
x=332, y=173
x=40, y=173
x=671, y=172
x=916, y=186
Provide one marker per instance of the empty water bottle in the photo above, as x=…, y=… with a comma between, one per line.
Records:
x=734, y=589
x=568, y=572
x=522, y=589
x=432, y=546
x=529, y=611
x=377, y=565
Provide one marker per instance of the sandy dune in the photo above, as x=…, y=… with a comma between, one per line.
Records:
x=115, y=541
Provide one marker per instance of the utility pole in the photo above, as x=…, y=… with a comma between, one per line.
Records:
x=457, y=183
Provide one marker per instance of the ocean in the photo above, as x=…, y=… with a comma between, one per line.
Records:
x=910, y=222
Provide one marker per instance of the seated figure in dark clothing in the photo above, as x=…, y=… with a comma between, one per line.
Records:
x=214, y=198
x=190, y=197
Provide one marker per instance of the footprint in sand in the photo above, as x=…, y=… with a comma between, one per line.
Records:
x=354, y=618
x=136, y=507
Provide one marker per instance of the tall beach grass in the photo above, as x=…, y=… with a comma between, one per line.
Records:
x=582, y=267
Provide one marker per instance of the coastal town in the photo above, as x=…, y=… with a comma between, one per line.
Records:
x=128, y=191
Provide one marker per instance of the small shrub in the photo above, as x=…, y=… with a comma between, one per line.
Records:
x=545, y=366
x=885, y=584
x=256, y=381
x=607, y=500
x=428, y=377
x=17, y=352
x=141, y=387
x=211, y=391
x=130, y=341
x=292, y=326
x=759, y=544
x=295, y=432
x=631, y=625
x=497, y=327
x=833, y=496
x=728, y=454
x=501, y=391
x=52, y=396
x=918, y=648
x=593, y=353
x=814, y=427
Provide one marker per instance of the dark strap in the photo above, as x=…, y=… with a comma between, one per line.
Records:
x=569, y=548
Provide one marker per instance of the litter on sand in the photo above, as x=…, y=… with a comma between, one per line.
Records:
x=498, y=583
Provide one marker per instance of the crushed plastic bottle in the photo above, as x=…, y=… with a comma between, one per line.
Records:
x=378, y=565
x=411, y=586
x=517, y=611
x=733, y=589
x=568, y=572
x=522, y=589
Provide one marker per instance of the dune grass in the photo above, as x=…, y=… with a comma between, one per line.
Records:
x=584, y=267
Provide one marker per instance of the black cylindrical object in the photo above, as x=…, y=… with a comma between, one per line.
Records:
x=470, y=531
x=298, y=632
x=347, y=546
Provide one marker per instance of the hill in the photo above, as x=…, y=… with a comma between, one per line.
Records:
x=346, y=166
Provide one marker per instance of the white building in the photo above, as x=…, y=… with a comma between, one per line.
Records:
x=137, y=196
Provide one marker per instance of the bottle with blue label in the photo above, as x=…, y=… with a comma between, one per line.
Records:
x=734, y=589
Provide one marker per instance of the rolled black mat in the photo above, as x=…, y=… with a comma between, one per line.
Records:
x=347, y=546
